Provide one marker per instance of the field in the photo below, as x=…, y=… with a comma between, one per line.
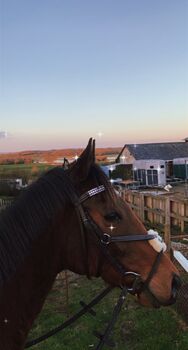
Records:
x=138, y=328
x=24, y=171
x=37, y=162
x=51, y=155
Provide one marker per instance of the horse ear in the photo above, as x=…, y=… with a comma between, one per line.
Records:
x=65, y=164
x=79, y=170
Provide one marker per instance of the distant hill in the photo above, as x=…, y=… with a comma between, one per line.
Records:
x=51, y=156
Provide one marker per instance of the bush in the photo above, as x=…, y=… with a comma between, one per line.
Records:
x=122, y=171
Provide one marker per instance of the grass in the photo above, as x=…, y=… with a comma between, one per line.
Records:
x=138, y=328
x=23, y=170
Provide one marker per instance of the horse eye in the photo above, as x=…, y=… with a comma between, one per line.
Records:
x=113, y=216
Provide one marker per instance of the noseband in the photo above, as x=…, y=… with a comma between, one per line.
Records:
x=104, y=240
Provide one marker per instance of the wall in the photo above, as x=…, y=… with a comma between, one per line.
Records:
x=126, y=157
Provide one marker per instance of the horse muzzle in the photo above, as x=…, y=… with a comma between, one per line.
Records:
x=176, y=284
x=148, y=298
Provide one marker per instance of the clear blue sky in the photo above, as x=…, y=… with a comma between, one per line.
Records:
x=72, y=68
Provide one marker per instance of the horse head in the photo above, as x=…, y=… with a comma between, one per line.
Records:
x=114, y=243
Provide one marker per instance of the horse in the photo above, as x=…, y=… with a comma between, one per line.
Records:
x=73, y=219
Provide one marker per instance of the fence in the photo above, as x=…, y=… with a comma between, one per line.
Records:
x=168, y=213
x=164, y=212
x=5, y=203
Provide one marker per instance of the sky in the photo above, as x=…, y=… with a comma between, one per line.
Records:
x=115, y=70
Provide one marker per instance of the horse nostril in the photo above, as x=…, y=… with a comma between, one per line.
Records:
x=176, y=282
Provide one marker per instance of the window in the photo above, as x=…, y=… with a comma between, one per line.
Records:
x=152, y=177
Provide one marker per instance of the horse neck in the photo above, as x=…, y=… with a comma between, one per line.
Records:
x=23, y=296
x=58, y=247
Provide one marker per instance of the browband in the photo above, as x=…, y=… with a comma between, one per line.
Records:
x=91, y=193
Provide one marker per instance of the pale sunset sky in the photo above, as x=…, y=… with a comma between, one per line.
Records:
x=71, y=69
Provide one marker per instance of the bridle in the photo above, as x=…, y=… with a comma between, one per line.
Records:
x=104, y=240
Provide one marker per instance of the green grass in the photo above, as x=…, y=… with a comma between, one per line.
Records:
x=138, y=328
x=23, y=170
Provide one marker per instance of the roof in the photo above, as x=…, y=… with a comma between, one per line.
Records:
x=165, y=151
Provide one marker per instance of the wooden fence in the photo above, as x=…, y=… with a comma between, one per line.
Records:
x=5, y=203
x=164, y=212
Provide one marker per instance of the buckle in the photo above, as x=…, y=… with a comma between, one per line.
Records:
x=135, y=282
x=106, y=239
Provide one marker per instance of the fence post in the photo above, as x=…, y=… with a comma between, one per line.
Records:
x=142, y=204
x=167, y=226
x=182, y=213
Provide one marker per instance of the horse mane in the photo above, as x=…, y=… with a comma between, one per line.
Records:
x=32, y=212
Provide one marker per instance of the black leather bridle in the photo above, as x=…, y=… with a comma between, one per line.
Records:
x=104, y=240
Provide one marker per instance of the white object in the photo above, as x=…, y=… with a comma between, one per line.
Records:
x=181, y=259
x=157, y=243
x=167, y=187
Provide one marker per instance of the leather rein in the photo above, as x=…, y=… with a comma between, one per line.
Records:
x=104, y=240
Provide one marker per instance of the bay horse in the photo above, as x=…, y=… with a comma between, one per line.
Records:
x=73, y=219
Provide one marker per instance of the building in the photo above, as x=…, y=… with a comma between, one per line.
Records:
x=150, y=172
x=180, y=168
x=154, y=163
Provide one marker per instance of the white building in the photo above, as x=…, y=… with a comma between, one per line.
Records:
x=150, y=172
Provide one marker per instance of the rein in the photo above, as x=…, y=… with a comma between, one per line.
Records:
x=104, y=240
x=86, y=308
